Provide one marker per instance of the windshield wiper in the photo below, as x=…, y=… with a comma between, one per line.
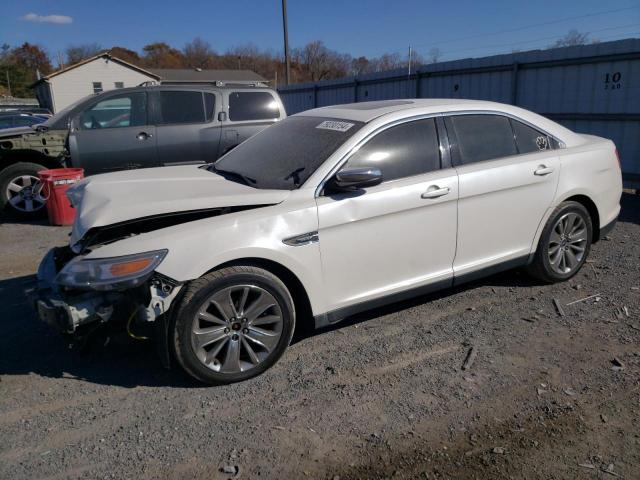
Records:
x=295, y=176
x=234, y=176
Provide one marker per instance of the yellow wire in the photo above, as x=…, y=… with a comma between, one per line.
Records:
x=129, y=332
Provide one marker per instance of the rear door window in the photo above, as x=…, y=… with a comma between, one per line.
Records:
x=245, y=106
x=481, y=137
x=128, y=110
x=529, y=139
x=405, y=150
x=180, y=107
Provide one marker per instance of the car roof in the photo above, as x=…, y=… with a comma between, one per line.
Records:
x=391, y=110
x=368, y=111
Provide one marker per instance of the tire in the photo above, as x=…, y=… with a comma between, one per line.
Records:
x=26, y=202
x=261, y=314
x=564, y=245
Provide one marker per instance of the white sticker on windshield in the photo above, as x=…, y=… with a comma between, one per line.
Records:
x=337, y=126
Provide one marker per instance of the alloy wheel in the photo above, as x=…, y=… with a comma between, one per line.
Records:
x=24, y=193
x=567, y=243
x=236, y=328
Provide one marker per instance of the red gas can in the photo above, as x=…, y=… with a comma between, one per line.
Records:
x=55, y=183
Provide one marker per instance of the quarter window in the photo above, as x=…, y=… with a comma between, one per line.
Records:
x=402, y=151
x=181, y=107
x=116, y=112
x=481, y=137
x=252, y=106
x=529, y=139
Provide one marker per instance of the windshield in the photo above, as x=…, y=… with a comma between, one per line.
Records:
x=284, y=155
x=54, y=120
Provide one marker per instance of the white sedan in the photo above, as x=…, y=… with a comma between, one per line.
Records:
x=327, y=213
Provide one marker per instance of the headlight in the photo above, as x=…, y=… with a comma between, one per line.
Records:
x=110, y=273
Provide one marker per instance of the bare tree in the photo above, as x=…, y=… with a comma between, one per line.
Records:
x=317, y=62
x=572, y=38
x=199, y=54
x=434, y=55
x=78, y=53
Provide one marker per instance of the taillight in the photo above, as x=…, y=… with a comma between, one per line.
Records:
x=618, y=157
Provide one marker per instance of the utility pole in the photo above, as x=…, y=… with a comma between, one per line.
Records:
x=409, y=70
x=286, y=42
x=9, y=84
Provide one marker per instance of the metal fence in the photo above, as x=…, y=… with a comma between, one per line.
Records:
x=589, y=88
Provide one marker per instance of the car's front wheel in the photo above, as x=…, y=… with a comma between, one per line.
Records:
x=232, y=324
x=564, y=244
x=21, y=191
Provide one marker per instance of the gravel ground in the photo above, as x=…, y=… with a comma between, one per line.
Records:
x=383, y=395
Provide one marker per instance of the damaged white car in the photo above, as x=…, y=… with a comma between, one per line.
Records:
x=329, y=212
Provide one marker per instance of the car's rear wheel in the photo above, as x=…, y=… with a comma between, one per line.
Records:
x=21, y=190
x=232, y=324
x=564, y=244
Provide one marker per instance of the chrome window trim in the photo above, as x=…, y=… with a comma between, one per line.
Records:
x=347, y=155
x=561, y=144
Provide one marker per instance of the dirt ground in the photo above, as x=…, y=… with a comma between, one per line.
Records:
x=382, y=395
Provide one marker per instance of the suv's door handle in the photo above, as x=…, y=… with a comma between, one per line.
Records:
x=144, y=135
x=543, y=170
x=435, y=191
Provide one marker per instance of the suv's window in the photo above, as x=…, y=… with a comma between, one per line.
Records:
x=128, y=110
x=252, y=106
x=481, y=137
x=181, y=107
x=529, y=139
x=401, y=151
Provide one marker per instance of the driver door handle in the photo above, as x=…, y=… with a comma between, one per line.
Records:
x=543, y=170
x=144, y=136
x=435, y=191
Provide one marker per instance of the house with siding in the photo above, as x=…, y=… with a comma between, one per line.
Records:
x=105, y=72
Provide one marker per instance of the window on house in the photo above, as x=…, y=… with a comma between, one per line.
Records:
x=97, y=87
x=119, y=84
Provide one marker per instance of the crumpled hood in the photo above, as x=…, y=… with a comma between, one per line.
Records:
x=116, y=197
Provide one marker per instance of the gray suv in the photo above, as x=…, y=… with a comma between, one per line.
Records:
x=128, y=128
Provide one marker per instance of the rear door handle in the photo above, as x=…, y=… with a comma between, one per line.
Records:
x=543, y=170
x=143, y=135
x=435, y=191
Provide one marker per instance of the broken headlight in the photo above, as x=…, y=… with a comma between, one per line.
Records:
x=110, y=273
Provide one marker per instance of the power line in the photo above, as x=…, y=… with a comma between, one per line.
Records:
x=551, y=22
x=517, y=29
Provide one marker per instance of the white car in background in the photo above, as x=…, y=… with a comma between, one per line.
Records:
x=327, y=213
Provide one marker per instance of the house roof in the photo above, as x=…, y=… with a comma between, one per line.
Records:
x=105, y=55
x=184, y=75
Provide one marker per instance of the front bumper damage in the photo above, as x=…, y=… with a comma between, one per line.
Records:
x=78, y=314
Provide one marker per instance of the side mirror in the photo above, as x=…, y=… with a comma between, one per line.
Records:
x=354, y=178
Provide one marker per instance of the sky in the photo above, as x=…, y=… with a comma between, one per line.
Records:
x=458, y=29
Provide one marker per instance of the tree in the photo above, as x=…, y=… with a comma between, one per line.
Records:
x=199, y=54
x=22, y=65
x=78, y=53
x=126, y=55
x=317, y=62
x=360, y=66
x=161, y=55
x=434, y=55
x=571, y=39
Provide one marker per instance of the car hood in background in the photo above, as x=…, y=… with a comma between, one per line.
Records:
x=117, y=197
x=11, y=132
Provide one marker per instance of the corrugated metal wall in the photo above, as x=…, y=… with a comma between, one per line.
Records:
x=590, y=88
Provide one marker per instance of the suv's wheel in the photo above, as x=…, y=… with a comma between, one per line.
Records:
x=20, y=189
x=564, y=244
x=232, y=324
